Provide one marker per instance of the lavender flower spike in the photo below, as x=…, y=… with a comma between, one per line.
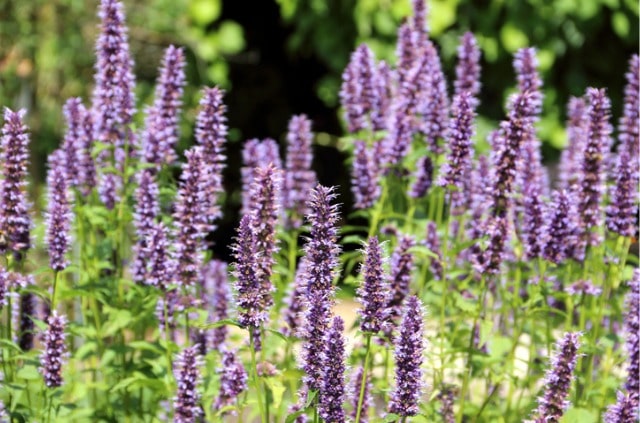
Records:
x=233, y=380
x=622, y=211
x=409, y=349
x=623, y=411
x=113, y=95
x=632, y=327
x=294, y=302
x=55, y=351
x=146, y=211
x=216, y=286
x=317, y=320
x=15, y=222
x=299, y=178
x=458, y=163
x=87, y=177
x=526, y=64
x=332, y=392
x=364, y=177
x=186, y=402
x=248, y=290
x=596, y=150
x=373, y=293
x=74, y=113
x=255, y=154
x=468, y=69
x=354, y=395
x=191, y=217
x=424, y=177
x=211, y=134
x=630, y=120
x=161, y=134
x=160, y=266
x=58, y=212
x=265, y=198
x=402, y=265
x=559, y=228
x=571, y=159
x=553, y=403
x=358, y=93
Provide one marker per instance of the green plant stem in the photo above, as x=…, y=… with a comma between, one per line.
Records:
x=365, y=372
x=254, y=376
x=53, y=293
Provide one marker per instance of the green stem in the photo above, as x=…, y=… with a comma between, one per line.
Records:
x=363, y=382
x=254, y=376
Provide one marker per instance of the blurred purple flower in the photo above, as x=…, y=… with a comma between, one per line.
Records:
x=424, y=178
x=354, y=395
x=583, y=287
x=233, y=380
x=559, y=228
x=299, y=177
x=217, y=299
x=358, y=94
x=622, y=211
x=332, y=390
x=525, y=64
x=461, y=132
x=632, y=328
x=571, y=158
x=432, y=242
x=630, y=121
x=365, y=183
x=74, y=138
x=186, y=403
x=294, y=301
x=55, y=352
x=468, y=69
x=255, y=154
x=159, y=267
x=58, y=215
x=623, y=411
x=374, y=292
x=145, y=212
x=402, y=265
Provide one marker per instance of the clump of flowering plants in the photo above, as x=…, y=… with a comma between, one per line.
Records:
x=484, y=290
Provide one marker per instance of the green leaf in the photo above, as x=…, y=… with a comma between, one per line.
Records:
x=124, y=383
x=579, y=415
x=277, y=390
x=29, y=373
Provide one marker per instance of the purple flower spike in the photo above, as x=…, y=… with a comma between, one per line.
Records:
x=322, y=250
x=109, y=188
x=294, y=311
x=146, y=211
x=447, y=399
x=424, y=177
x=525, y=64
x=402, y=265
x=364, y=177
x=468, y=69
x=233, y=380
x=74, y=138
x=186, y=403
x=632, y=328
x=58, y=212
x=211, y=134
x=317, y=320
x=299, y=178
x=435, y=106
x=405, y=52
x=248, y=290
x=87, y=177
x=461, y=131
x=113, y=95
x=373, y=293
x=559, y=229
x=571, y=159
x=419, y=21
x=255, y=154
x=161, y=134
x=622, y=211
x=332, y=391
x=218, y=293
x=191, y=217
x=583, y=287
x=385, y=83
x=265, y=196
x=496, y=228
x=596, y=150
x=55, y=351
x=160, y=267
x=409, y=350
x=531, y=182
x=354, y=395
x=432, y=242
x=630, y=120
x=15, y=222
x=552, y=405
x=623, y=411
x=5, y=286
x=358, y=94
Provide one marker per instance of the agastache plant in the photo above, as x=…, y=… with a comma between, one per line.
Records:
x=160, y=134
x=233, y=380
x=402, y=265
x=74, y=114
x=630, y=120
x=299, y=177
x=256, y=154
x=468, y=69
x=58, y=213
x=146, y=211
x=632, y=328
x=55, y=352
x=365, y=183
x=461, y=133
x=218, y=299
x=15, y=222
x=571, y=158
x=373, y=293
x=186, y=403
x=332, y=391
x=408, y=354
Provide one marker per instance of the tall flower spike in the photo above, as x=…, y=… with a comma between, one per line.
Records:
x=211, y=134
x=593, y=163
x=255, y=154
x=191, y=217
x=402, y=265
x=623, y=411
x=531, y=183
x=109, y=188
x=405, y=52
x=251, y=312
x=317, y=321
x=447, y=398
x=87, y=177
x=468, y=69
x=373, y=293
x=161, y=134
x=525, y=64
x=571, y=158
x=364, y=177
x=432, y=242
x=55, y=351
x=559, y=228
x=58, y=212
x=630, y=120
x=358, y=95
x=74, y=113
x=265, y=197
x=332, y=392
x=113, y=95
x=354, y=395
x=552, y=405
x=434, y=106
x=299, y=178
x=233, y=380
x=385, y=84
x=461, y=131
x=622, y=210
x=409, y=349
x=218, y=293
x=632, y=327
x=424, y=177
x=160, y=267
x=146, y=210
x=294, y=302
x=186, y=403
x=15, y=222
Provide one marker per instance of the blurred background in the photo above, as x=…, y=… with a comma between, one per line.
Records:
x=281, y=57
